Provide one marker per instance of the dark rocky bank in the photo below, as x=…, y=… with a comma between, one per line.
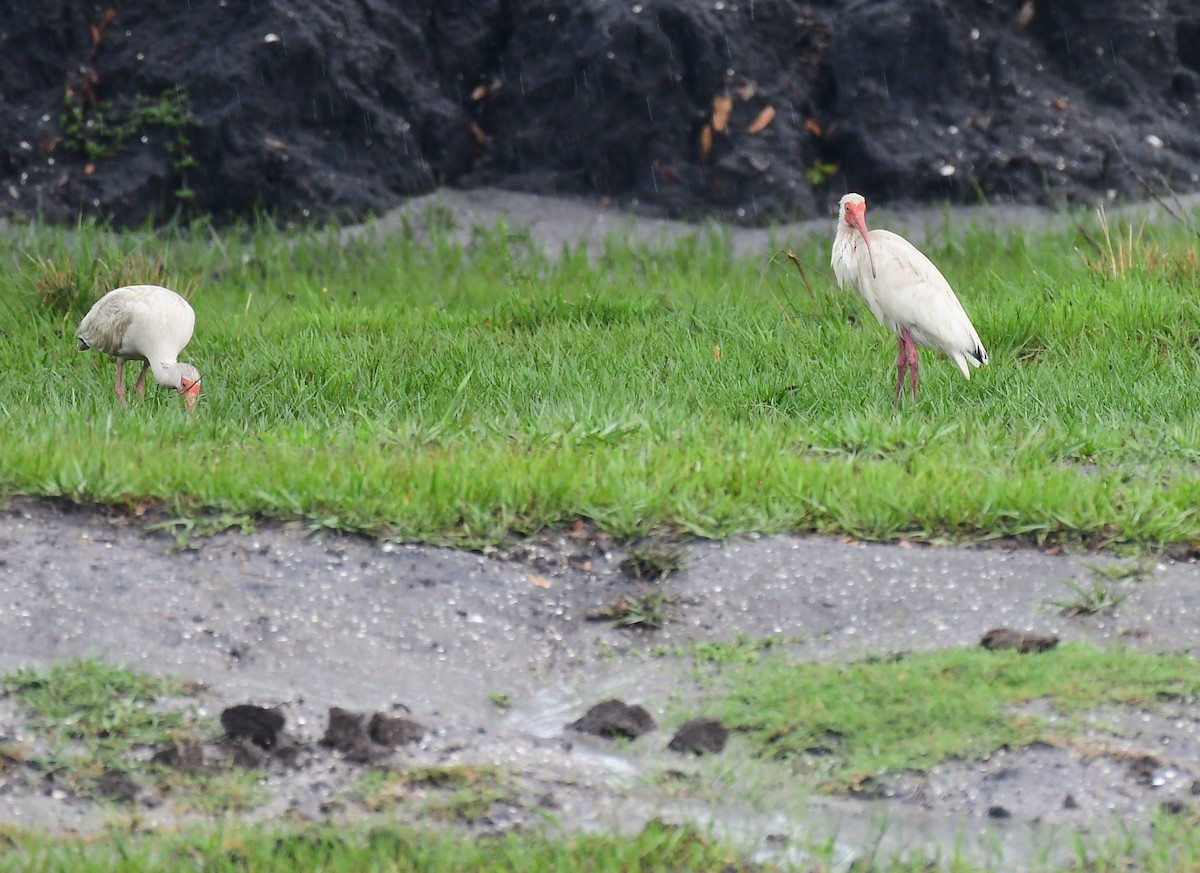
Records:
x=748, y=110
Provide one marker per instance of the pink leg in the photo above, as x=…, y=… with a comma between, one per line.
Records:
x=912, y=363
x=140, y=384
x=121, y=380
x=901, y=366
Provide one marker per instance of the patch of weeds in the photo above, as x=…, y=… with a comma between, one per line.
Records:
x=469, y=804
x=224, y=789
x=452, y=775
x=68, y=282
x=1129, y=251
x=649, y=610
x=439, y=219
x=681, y=782
x=821, y=171
x=459, y=792
x=501, y=699
x=101, y=130
x=913, y=711
x=654, y=561
x=54, y=283
x=187, y=530
x=1117, y=571
x=740, y=650
x=92, y=715
x=347, y=846
x=379, y=790
x=1091, y=598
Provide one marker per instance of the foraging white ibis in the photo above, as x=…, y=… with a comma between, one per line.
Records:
x=145, y=323
x=905, y=291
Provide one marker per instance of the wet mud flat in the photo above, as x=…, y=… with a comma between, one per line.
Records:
x=309, y=624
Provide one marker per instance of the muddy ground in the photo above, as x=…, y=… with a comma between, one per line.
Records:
x=279, y=617
x=282, y=618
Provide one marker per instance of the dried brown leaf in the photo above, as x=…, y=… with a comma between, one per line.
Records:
x=762, y=119
x=722, y=105
x=706, y=136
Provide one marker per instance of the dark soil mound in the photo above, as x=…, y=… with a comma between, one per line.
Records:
x=748, y=109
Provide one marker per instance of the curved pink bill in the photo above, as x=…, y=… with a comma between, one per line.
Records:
x=190, y=392
x=858, y=221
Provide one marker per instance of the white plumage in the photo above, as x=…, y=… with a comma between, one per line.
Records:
x=905, y=291
x=146, y=323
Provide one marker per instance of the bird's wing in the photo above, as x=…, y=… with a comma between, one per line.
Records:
x=852, y=265
x=913, y=293
x=107, y=323
x=164, y=326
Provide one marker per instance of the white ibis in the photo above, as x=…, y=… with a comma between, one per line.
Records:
x=905, y=291
x=145, y=323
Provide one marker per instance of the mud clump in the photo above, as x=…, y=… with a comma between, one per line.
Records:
x=1024, y=642
x=182, y=753
x=117, y=786
x=752, y=112
x=615, y=718
x=700, y=736
x=365, y=741
x=257, y=724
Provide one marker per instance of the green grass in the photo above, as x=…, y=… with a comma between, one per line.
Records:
x=1172, y=846
x=91, y=713
x=342, y=850
x=456, y=393
x=910, y=712
x=86, y=718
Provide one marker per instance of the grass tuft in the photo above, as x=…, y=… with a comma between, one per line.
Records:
x=90, y=716
x=654, y=561
x=856, y=721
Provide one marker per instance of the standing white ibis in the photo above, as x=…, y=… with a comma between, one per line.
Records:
x=145, y=323
x=905, y=291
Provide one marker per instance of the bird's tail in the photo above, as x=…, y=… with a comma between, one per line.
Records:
x=976, y=357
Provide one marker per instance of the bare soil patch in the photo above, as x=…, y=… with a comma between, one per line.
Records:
x=485, y=659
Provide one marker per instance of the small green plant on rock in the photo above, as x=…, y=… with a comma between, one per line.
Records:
x=102, y=130
x=820, y=171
